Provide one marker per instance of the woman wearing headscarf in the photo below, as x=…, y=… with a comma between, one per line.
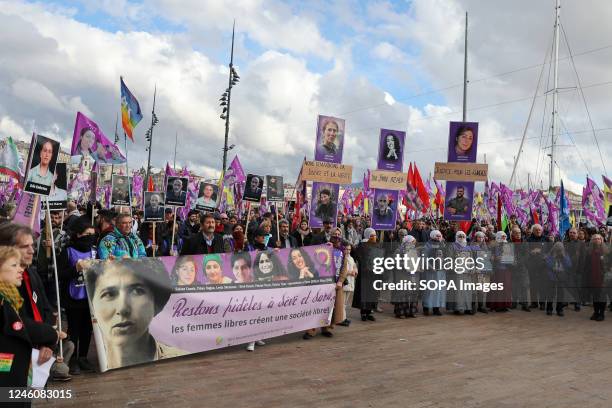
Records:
x=483, y=275
x=558, y=265
x=365, y=297
x=405, y=301
x=597, y=261
x=435, y=251
x=504, y=258
x=461, y=298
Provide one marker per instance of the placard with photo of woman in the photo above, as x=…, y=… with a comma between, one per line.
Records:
x=41, y=169
x=208, y=194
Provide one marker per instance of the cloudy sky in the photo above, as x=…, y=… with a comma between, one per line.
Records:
x=377, y=64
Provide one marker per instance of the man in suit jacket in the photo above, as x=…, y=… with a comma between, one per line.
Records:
x=285, y=240
x=206, y=241
x=324, y=236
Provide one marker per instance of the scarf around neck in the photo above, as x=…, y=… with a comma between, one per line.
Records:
x=10, y=293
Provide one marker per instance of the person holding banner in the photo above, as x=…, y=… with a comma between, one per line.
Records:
x=19, y=334
x=285, y=240
x=122, y=242
x=125, y=296
x=206, y=241
x=303, y=234
x=36, y=306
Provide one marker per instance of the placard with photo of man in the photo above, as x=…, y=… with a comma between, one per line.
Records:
x=153, y=206
x=120, y=190
x=458, y=201
x=58, y=198
x=275, y=190
x=253, y=188
x=208, y=194
x=42, y=162
x=384, y=209
x=176, y=191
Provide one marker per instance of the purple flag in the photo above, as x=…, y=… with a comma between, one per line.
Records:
x=235, y=173
x=26, y=214
x=592, y=203
x=88, y=139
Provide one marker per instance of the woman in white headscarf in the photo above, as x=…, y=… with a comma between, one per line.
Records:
x=504, y=259
x=405, y=301
x=460, y=298
x=435, y=251
x=483, y=275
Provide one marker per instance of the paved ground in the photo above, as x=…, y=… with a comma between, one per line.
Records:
x=514, y=359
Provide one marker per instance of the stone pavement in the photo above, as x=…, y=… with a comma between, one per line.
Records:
x=514, y=359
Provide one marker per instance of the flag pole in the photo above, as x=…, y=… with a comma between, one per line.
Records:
x=149, y=136
x=57, y=291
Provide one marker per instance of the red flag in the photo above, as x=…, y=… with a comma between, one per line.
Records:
x=420, y=187
x=358, y=199
x=439, y=201
x=151, y=186
x=465, y=226
x=410, y=175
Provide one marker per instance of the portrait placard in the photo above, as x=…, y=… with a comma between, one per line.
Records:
x=253, y=188
x=153, y=206
x=463, y=142
x=58, y=198
x=176, y=191
x=208, y=197
x=391, y=150
x=275, y=190
x=120, y=190
x=41, y=169
x=330, y=139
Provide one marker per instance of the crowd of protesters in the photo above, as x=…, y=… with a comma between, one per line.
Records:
x=581, y=262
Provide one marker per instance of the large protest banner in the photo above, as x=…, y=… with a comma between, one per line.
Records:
x=149, y=309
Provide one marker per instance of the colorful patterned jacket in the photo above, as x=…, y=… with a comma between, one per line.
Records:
x=119, y=245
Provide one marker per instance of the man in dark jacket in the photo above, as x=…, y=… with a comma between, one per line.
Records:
x=324, y=236
x=285, y=240
x=205, y=242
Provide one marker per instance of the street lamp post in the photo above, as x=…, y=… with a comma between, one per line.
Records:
x=225, y=100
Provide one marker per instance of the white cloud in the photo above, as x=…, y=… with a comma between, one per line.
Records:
x=8, y=127
x=388, y=52
x=53, y=65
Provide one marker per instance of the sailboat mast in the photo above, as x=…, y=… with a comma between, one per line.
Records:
x=465, y=61
x=555, y=107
